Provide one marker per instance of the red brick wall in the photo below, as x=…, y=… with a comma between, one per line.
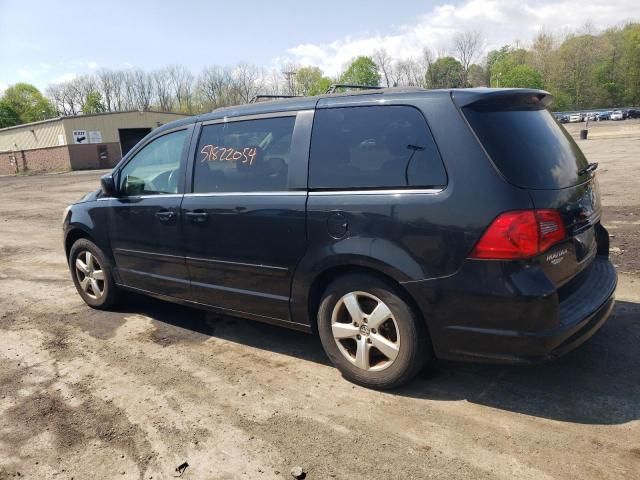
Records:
x=42, y=159
x=68, y=157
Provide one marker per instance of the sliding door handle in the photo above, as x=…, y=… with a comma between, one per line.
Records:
x=197, y=216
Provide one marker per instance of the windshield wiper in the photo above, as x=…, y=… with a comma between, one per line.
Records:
x=588, y=169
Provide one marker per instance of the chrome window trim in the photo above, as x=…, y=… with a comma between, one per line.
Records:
x=396, y=191
x=247, y=194
x=255, y=116
x=300, y=193
x=138, y=197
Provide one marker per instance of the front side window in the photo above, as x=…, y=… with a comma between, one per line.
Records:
x=244, y=156
x=373, y=147
x=155, y=168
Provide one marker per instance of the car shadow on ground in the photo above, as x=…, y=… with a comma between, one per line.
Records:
x=599, y=383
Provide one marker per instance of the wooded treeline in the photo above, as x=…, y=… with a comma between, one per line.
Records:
x=582, y=70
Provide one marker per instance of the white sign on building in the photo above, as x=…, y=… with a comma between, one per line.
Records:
x=80, y=136
x=95, y=136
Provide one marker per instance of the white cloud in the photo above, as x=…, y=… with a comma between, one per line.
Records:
x=3, y=87
x=33, y=72
x=26, y=73
x=65, y=77
x=500, y=22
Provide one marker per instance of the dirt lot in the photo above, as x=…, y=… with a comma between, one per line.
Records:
x=136, y=392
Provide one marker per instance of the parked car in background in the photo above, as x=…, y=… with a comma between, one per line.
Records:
x=575, y=117
x=603, y=115
x=617, y=115
x=633, y=113
x=561, y=117
x=356, y=216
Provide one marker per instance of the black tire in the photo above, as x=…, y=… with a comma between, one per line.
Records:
x=109, y=293
x=414, y=346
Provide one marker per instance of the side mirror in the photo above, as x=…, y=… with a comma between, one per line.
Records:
x=108, y=185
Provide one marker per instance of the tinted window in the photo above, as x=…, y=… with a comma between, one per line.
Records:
x=155, y=168
x=373, y=147
x=527, y=145
x=245, y=156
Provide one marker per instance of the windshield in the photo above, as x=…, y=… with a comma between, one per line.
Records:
x=527, y=145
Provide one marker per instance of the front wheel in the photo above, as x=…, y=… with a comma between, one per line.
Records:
x=92, y=274
x=370, y=333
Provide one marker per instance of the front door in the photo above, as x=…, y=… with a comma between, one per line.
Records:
x=144, y=218
x=244, y=225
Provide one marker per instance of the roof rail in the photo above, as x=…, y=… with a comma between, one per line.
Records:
x=255, y=98
x=335, y=86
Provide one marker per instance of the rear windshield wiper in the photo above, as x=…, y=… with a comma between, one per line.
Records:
x=588, y=169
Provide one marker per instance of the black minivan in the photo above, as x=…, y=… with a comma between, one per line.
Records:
x=401, y=225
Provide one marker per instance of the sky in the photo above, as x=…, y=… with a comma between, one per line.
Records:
x=51, y=41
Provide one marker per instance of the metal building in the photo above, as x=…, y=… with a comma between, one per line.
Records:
x=76, y=143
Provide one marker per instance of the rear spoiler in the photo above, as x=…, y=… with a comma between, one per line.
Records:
x=502, y=98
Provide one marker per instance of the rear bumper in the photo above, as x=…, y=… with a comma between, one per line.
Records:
x=507, y=323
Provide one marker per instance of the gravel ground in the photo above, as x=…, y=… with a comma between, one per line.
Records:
x=136, y=392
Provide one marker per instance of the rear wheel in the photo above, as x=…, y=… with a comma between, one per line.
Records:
x=92, y=274
x=370, y=333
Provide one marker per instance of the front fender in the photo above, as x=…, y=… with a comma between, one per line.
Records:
x=90, y=219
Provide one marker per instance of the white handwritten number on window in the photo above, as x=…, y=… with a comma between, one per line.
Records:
x=228, y=154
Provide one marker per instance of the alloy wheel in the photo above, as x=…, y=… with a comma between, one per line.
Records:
x=365, y=331
x=90, y=274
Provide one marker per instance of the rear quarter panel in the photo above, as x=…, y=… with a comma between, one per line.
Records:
x=409, y=236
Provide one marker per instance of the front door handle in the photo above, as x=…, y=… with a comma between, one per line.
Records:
x=197, y=216
x=165, y=215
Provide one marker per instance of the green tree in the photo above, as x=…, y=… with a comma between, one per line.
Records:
x=631, y=63
x=609, y=87
x=476, y=76
x=492, y=58
x=28, y=103
x=522, y=76
x=501, y=62
x=93, y=103
x=8, y=116
x=445, y=72
x=362, y=71
x=542, y=56
x=310, y=81
x=577, y=60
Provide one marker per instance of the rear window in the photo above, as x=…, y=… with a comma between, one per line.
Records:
x=373, y=147
x=527, y=145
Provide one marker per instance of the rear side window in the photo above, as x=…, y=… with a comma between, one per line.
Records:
x=373, y=147
x=527, y=145
x=244, y=156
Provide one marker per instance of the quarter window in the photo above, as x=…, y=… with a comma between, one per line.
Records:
x=244, y=156
x=373, y=147
x=155, y=168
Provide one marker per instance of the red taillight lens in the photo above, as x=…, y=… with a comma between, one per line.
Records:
x=520, y=234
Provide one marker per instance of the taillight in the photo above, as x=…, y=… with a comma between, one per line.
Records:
x=520, y=234
x=551, y=228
